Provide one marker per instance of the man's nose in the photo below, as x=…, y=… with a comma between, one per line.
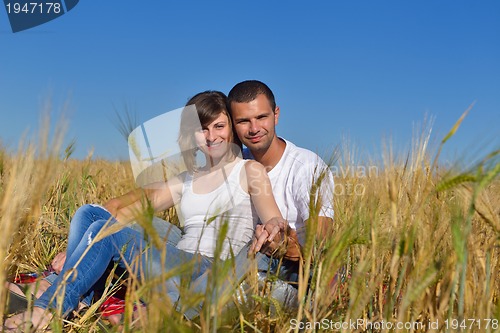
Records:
x=254, y=128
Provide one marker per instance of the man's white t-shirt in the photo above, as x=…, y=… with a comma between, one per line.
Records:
x=292, y=179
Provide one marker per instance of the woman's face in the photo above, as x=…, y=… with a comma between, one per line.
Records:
x=214, y=139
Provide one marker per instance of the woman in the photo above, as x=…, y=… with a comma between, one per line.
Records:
x=227, y=189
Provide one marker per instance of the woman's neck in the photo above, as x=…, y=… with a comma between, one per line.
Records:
x=213, y=165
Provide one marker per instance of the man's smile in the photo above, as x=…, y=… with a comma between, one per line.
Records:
x=255, y=139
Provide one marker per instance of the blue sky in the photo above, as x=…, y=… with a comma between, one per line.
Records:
x=366, y=70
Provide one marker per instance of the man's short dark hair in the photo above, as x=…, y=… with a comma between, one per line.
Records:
x=247, y=91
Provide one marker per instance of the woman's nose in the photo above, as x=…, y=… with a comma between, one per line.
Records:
x=209, y=135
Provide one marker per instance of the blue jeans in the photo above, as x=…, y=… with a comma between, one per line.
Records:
x=86, y=264
x=286, y=270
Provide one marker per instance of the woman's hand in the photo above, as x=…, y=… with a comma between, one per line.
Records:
x=112, y=206
x=58, y=262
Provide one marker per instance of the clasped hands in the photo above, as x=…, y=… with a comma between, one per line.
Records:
x=271, y=238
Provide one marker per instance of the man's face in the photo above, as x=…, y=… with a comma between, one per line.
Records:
x=254, y=123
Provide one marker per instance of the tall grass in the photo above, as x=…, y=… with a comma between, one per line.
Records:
x=24, y=184
x=412, y=242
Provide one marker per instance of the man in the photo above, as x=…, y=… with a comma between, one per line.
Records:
x=292, y=170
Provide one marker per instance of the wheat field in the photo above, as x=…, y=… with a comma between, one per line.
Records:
x=414, y=246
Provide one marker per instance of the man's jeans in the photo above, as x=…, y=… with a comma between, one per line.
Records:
x=286, y=270
x=86, y=261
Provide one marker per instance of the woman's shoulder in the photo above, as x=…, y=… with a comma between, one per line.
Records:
x=254, y=168
x=252, y=164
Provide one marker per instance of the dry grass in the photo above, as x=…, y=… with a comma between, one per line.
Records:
x=412, y=243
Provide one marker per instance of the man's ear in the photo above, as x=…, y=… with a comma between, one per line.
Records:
x=276, y=115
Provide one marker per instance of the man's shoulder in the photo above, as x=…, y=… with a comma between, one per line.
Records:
x=301, y=155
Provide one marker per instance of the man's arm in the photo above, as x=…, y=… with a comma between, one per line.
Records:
x=324, y=228
x=313, y=187
x=322, y=179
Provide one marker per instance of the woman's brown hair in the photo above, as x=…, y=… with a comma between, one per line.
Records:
x=209, y=105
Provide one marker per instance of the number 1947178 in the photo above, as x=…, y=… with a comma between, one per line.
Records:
x=33, y=7
x=472, y=324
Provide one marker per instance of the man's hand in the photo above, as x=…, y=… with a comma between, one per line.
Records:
x=58, y=262
x=266, y=233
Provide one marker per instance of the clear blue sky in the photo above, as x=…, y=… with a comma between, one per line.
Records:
x=363, y=69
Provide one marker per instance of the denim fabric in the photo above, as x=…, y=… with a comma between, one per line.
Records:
x=79, y=225
x=288, y=271
x=86, y=264
x=165, y=230
x=87, y=300
x=173, y=257
x=50, y=278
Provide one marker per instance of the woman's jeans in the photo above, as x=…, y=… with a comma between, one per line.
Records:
x=285, y=270
x=86, y=260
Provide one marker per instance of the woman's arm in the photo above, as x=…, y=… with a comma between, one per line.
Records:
x=259, y=187
x=115, y=204
x=159, y=196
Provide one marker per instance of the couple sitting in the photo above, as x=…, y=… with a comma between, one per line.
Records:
x=276, y=189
